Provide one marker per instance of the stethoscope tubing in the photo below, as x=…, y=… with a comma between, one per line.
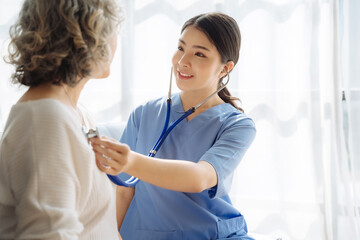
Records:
x=167, y=119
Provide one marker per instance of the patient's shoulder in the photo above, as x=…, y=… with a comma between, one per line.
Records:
x=40, y=115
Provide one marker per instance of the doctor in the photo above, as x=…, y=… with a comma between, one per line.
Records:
x=183, y=192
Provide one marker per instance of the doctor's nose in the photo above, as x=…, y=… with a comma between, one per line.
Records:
x=184, y=61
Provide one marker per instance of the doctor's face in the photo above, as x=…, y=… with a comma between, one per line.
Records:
x=197, y=63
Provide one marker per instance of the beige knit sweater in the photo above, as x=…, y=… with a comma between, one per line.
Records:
x=50, y=187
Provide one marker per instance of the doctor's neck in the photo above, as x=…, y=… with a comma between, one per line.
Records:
x=190, y=99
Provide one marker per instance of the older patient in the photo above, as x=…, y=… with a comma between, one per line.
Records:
x=50, y=186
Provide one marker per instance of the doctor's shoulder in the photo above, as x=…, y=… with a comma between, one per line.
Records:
x=233, y=115
x=150, y=107
x=146, y=111
x=237, y=119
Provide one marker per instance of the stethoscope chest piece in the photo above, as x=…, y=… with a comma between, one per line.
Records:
x=90, y=133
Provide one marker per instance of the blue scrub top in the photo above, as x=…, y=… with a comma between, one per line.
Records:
x=220, y=135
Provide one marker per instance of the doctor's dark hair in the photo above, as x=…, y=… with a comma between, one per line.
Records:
x=56, y=41
x=223, y=31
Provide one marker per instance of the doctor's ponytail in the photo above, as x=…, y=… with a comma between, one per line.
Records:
x=223, y=31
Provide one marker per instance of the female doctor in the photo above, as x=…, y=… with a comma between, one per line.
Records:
x=183, y=192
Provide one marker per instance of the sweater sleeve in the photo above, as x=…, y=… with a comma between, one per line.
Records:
x=44, y=176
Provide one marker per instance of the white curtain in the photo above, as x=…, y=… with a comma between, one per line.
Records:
x=8, y=94
x=301, y=177
x=348, y=215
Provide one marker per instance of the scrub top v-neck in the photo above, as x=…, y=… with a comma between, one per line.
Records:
x=220, y=135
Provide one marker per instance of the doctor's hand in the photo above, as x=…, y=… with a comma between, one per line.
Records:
x=112, y=157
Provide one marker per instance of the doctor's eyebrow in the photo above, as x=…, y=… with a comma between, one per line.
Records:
x=194, y=46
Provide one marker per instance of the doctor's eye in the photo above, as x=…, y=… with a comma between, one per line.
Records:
x=199, y=54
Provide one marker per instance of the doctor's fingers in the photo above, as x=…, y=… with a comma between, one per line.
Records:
x=111, y=157
x=110, y=143
x=109, y=139
x=106, y=169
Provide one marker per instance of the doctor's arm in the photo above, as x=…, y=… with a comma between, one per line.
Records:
x=176, y=175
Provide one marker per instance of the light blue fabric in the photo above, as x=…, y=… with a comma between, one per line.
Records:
x=221, y=135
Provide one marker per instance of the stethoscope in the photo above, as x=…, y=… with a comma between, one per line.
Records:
x=132, y=181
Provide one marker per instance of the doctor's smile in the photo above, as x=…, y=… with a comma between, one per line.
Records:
x=184, y=76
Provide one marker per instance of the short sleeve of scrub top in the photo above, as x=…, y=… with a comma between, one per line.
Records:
x=233, y=140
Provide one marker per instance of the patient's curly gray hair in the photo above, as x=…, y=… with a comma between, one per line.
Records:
x=57, y=41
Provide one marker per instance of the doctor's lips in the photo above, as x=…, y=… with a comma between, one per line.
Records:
x=184, y=76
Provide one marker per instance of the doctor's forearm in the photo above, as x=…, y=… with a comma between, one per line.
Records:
x=176, y=175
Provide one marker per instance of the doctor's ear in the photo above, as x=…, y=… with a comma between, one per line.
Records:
x=227, y=68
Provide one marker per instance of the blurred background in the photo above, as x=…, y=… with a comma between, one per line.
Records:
x=298, y=77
